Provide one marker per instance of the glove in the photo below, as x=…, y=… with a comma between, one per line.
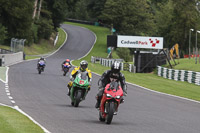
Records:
x=72, y=79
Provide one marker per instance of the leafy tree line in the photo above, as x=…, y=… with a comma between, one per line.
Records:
x=170, y=19
x=30, y=19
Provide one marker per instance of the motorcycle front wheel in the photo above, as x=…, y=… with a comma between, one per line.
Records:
x=39, y=71
x=64, y=74
x=65, y=71
x=110, y=109
x=77, y=98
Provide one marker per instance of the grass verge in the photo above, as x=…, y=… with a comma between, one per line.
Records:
x=14, y=122
x=185, y=64
x=148, y=80
x=45, y=47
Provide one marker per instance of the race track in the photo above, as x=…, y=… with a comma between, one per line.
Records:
x=44, y=98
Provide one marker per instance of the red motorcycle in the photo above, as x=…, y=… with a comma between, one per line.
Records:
x=110, y=101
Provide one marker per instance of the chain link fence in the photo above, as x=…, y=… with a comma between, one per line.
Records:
x=17, y=45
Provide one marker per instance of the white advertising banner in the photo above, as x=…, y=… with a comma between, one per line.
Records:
x=140, y=42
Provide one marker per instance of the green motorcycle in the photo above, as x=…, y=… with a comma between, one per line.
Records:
x=79, y=89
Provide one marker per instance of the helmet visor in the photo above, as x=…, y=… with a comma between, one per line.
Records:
x=115, y=70
x=114, y=75
x=83, y=67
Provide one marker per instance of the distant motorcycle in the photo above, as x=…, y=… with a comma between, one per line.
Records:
x=66, y=68
x=79, y=89
x=41, y=65
x=110, y=101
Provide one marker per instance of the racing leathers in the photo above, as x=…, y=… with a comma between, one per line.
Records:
x=74, y=72
x=105, y=79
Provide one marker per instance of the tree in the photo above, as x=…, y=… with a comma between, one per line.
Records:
x=16, y=16
x=174, y=20
x=3, y=32
x=95, y=7
x=185, y=17
x=124, y=53
x=58, y=10
x=164, y=21
x=128, y=17
x=81, y=10
x=71, y=5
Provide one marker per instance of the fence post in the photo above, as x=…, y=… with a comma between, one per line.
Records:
x=130, y=68
x=165, y=72
x=159, y=70
x=193, y=77
x=176, y=75
x=197, y=80
x=122, y=68
x=190, y=76
x=170, y=74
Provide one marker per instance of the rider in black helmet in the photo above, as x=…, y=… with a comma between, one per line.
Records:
x=105, y=79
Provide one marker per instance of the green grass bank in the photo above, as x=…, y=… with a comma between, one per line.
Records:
x=14, y=122
x=185, y=64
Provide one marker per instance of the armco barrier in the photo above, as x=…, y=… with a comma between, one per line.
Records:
x=179, y=75
x=108, y=63
x=8, y=59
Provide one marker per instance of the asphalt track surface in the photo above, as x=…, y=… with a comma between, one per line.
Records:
x=44, y=98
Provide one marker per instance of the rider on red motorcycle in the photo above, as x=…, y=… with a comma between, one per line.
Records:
x=105, y=79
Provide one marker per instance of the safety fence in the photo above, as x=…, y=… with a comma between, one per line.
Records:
x=179, y=75
x=109, y=62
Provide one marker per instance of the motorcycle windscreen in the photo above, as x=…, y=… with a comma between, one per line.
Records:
x=41, y=62
x=83, y=75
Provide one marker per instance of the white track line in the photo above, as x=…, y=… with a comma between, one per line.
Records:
x=164, y=93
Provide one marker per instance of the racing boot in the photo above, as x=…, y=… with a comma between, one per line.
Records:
x=98, y=102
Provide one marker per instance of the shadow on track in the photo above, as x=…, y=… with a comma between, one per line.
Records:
x=70, y=106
